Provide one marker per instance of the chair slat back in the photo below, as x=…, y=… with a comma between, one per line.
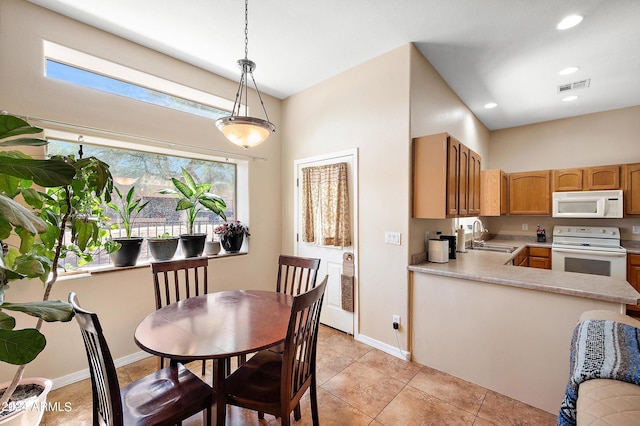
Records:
x=299, y=356
x=105, y=388
x=176, y=280
x=296, y=274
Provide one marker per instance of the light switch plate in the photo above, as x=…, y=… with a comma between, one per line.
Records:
x=392, y=238
x=636, y=230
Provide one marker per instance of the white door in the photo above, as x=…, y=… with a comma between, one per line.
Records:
x=332, y=257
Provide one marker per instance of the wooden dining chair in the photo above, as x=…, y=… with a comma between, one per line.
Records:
x=296, y=274
x=176, y=280
x=165, y=397
x=274, y=383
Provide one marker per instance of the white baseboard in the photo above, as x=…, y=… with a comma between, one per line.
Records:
x=390, y=349
x=84, y=374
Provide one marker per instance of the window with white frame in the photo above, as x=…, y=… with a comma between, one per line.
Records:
x=148, y=173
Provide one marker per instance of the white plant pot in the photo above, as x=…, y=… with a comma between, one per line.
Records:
x=31, y=412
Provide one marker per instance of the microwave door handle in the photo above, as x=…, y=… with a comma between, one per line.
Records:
x=600, y=208
x=586, y=252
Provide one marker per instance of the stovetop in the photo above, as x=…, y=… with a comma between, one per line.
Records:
x=587, y=238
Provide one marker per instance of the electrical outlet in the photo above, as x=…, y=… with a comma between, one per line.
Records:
x=396, y=322
x=525, y=227
x=392, y=238
x=636, y=230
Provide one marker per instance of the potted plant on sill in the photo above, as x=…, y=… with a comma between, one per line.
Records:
x=128, y=210
x=75, y=193
x=192, y=198
x=232, y=235
x=163, y=247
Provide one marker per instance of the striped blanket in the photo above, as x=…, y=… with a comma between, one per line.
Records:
x=600, y=349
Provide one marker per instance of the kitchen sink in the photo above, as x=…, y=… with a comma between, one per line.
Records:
x=496, y=247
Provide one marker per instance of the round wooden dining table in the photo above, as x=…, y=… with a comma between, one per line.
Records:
x=216, y=326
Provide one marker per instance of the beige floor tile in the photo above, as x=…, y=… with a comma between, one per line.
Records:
x=505, y=411
x=414, y=407
x=459, y=393
x=390, y=365
x=365, y=388
x=332, y=411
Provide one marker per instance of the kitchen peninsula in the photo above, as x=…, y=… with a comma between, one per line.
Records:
x=505, y=327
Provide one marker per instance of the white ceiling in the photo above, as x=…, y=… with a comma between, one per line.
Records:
x=505, y=51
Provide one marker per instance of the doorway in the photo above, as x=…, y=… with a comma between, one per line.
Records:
x=333, y=257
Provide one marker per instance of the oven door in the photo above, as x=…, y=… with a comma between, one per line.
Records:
x=608, y=263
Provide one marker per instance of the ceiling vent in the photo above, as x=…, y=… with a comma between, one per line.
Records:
x=582, y=84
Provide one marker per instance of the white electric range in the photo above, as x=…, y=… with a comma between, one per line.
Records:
x=589, y=250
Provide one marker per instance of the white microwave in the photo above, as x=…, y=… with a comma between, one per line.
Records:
x=588, y=204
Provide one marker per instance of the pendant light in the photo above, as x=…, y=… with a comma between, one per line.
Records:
x=239, y=129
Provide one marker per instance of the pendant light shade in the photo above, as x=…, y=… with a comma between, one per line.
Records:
x=246, y=132
x=243, y=130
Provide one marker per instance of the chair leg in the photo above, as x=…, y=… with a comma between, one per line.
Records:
x=313, y=396
x=296, y=412
x=207, y=416
x=204, y=364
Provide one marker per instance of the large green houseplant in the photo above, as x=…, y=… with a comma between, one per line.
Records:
x=127, y=209
x=192, y=198
x=73, y=200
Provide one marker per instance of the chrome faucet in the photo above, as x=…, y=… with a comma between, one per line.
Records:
x=477, y=242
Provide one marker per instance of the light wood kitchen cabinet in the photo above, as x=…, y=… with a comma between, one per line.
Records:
x=602, y=178
x=540, y=257
x=632, y=189
x=633, y=276
x=494, y=200
x=530, y=193
x=522, y=258
x=441, y=177
x=475, y=183
x=587, y=179
x=458, y=204
x=567, y=180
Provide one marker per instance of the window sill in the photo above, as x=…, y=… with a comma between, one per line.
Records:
x=145, y=264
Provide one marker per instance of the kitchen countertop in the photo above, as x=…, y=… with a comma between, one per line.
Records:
x=495, y=268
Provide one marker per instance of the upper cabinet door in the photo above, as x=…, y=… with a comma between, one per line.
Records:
x=601, y=178
x=530, y=193
x=463, y=181
x=474, y=183
x=632, y=189
x=453, y=175
x=567, y=180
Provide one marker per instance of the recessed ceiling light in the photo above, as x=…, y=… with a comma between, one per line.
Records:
x=569, y=22
x=490, y=105
x=570, y=98
x=568, y=70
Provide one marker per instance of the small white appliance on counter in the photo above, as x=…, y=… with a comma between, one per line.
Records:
x=438, y=251
x=589, y=250
x=588, y=204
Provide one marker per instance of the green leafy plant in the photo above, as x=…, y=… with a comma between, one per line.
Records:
x=193, y=197
x=128, y=209
x=165, y=236
x=74, y=198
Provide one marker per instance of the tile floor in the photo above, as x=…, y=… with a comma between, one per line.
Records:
x=358, y=385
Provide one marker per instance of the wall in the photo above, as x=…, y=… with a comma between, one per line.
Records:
x=435, y=108
x=123, y=298
x=377, y=107
x=365, y=108
x=599, y=139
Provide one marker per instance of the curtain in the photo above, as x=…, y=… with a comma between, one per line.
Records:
x=325, y=205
